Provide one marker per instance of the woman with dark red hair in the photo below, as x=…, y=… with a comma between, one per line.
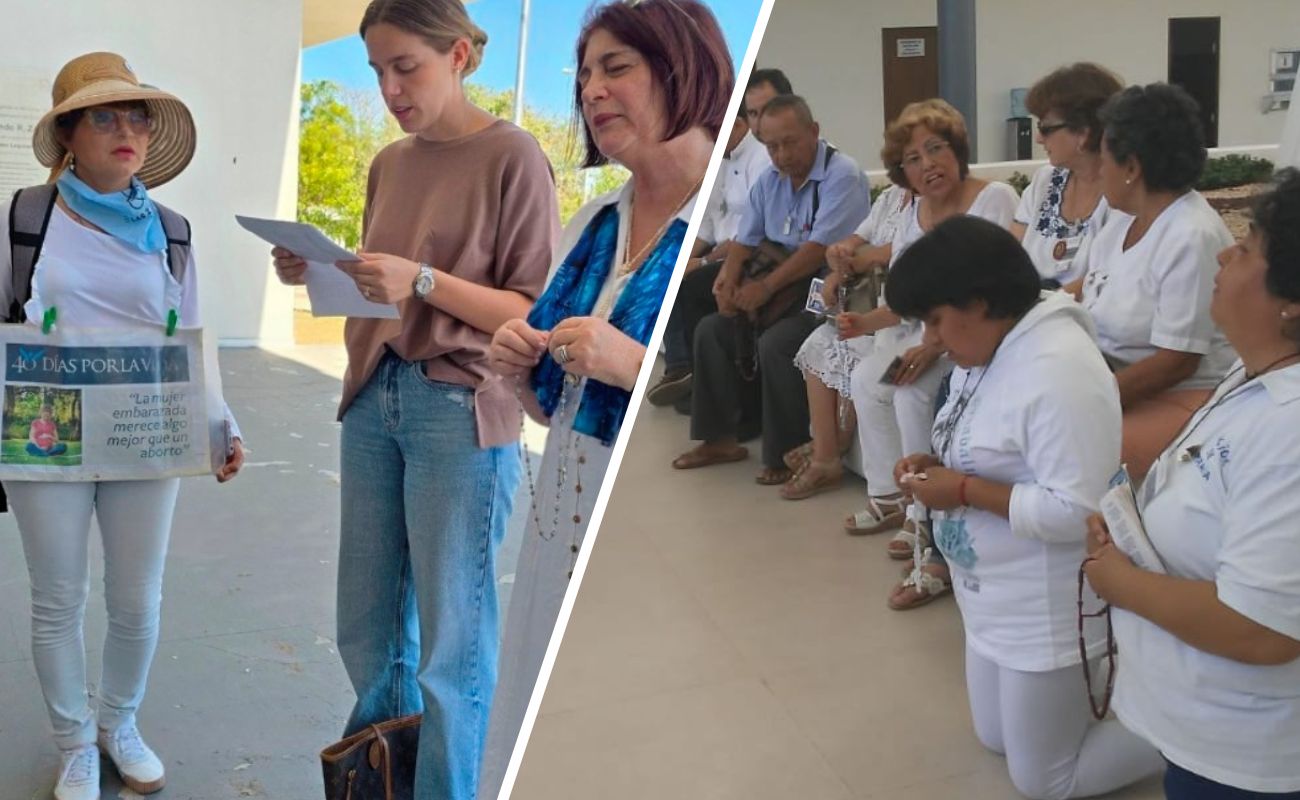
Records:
x=652, y=88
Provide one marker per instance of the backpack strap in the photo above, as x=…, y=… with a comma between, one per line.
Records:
x=817, y=187
x=177, y=229
x=29, y=217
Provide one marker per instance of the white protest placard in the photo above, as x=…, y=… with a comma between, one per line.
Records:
x=83, y=405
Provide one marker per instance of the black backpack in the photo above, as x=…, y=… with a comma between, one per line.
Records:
x=29, y=217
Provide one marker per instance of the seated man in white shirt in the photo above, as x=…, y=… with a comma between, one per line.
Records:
x=744, y=161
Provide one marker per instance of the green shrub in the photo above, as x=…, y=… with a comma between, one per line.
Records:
x=877, y=189
x=1236, y=169
x=1018, y=181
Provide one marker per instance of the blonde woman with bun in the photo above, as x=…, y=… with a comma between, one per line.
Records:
x=459, y=224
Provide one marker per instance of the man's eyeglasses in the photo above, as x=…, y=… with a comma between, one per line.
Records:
x=1102, y=706
x=1049, y=128
x=931, y=148
x=107, y=120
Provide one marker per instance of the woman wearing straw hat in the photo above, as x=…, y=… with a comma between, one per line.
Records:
x=108, y=141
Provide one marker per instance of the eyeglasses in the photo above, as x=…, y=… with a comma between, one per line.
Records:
x=931, y=148
x=107, y=120
x=1049, y=128
x=1099, y=707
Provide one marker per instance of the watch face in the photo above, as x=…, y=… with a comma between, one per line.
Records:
x=424, y=282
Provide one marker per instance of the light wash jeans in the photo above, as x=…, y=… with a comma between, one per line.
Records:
x=135, y=518
x=423, y=511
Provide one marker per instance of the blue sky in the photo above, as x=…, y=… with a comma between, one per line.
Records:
x=553, y=30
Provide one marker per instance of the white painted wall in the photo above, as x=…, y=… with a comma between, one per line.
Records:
x=235, y=63
x=1018, y=42
x=831, y=51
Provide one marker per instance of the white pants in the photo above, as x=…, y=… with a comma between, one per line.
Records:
x=893, y=421
x=135, y=520
x=1042, y=723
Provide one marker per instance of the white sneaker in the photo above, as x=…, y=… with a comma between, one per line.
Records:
x=78, y=774
x=140, y=769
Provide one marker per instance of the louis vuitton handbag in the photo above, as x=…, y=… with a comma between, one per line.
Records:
x=377, y=763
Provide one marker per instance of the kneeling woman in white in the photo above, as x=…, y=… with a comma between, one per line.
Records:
x=1023, y=448
x=1211, y=670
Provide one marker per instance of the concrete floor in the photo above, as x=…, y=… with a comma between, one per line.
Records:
x=728, y=644
x=247, y=685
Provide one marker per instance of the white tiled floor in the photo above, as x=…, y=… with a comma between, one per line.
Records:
x=729, y=644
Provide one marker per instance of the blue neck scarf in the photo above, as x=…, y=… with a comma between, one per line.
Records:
x=127, y=215
x=573, y=292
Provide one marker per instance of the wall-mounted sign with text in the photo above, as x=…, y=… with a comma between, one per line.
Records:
x=24, y=99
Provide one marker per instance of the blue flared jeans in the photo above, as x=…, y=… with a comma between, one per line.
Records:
x=424, y=509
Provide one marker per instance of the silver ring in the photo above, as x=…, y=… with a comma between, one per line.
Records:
x=911, y=366
x=562, y=354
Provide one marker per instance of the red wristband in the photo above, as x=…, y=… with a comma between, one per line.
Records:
x=961, y=491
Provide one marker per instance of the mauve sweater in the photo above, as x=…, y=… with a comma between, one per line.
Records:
x=481, y=207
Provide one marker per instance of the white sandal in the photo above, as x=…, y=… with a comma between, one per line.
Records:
x=909, y=537
x=881, y=514
x=929, y=587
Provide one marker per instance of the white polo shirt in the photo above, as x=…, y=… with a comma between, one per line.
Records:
x=1156, y=295
x=1224, y=506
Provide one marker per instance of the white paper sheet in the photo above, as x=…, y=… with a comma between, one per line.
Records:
x=332, y=292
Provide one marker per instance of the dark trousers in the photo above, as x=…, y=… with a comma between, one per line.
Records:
x=721, y=396
x=1181, y=784
x=694, y=302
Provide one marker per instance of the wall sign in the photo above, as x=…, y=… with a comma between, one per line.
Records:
x=911, y=48
x=23, y=101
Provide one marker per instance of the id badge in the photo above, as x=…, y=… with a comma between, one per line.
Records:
x=787, y=226
x=1064, y=252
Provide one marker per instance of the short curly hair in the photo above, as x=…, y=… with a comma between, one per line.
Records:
x=1160, y=125
x=941, y=119
x=1277, y=220
x=1075, y=92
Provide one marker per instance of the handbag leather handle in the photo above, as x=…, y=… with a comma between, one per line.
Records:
x=385, y=757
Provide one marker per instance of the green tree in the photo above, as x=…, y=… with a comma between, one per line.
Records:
x=341, y=130
x=335, y=146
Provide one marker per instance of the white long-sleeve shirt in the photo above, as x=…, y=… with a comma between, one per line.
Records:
x=1044, y=417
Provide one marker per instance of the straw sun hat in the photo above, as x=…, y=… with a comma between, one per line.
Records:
x=97, y=79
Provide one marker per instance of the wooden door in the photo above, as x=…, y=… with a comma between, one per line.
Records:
x=910, y=67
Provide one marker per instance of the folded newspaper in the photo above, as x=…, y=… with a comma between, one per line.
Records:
x=1119, y=507
x=83, y=405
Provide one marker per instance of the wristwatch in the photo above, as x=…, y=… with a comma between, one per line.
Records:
x=423, y=283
